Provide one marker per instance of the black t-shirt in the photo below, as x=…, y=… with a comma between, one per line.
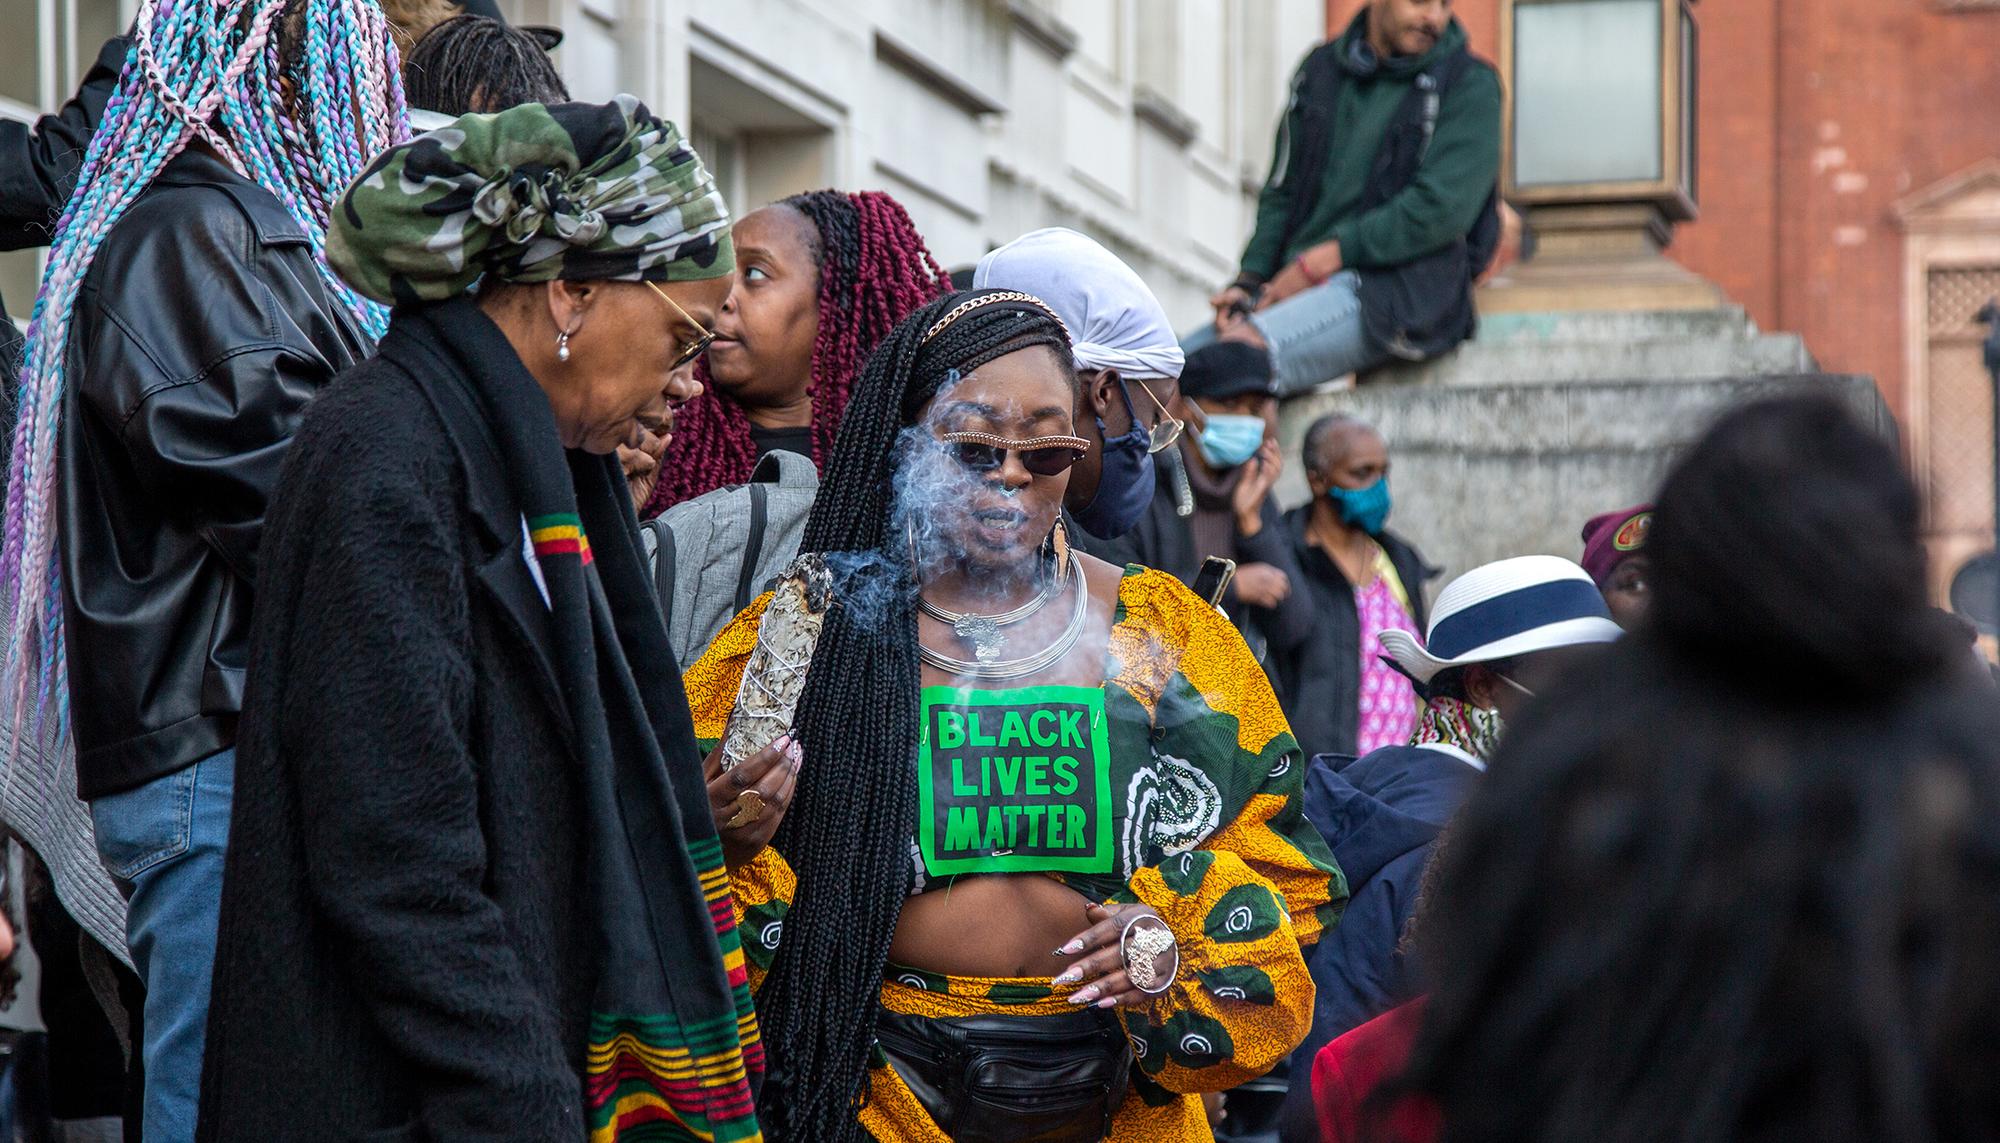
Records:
x=798, y=440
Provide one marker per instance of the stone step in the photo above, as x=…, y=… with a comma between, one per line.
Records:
x=1509, y=362
x=1538, y=419
x=1488, y=471
x=1730, y=323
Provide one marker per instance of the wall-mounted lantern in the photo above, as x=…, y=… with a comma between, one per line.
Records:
x=1599, y=154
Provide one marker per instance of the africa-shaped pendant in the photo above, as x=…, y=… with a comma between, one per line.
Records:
x=983, y=634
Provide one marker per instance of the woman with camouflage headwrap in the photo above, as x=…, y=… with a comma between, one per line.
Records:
x=475, y=892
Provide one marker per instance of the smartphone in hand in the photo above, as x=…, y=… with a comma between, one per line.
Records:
x=1216, y=573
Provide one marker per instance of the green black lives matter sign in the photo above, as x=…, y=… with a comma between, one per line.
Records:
x=1014, y=781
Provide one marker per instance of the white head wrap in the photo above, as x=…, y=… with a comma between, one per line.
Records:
x=1116, y=321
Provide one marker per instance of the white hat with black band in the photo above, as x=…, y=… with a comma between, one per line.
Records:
x=1513, y=607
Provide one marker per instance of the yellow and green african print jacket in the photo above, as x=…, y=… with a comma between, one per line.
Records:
x=1208, y=830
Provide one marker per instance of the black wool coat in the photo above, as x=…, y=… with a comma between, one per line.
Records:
x=404, y=950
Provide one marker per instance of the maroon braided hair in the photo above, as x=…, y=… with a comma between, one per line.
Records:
x=874, y=271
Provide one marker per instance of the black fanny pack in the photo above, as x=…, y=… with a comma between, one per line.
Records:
x=1013, y=1079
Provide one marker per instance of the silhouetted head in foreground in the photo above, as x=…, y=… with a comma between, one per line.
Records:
x=473, y=64
x=1740, y=880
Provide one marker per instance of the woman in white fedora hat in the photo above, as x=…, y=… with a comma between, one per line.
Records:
x=1498, y=634
x=1491, y=627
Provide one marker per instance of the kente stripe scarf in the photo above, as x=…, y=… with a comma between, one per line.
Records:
x=559, y=535
x=674, y=1052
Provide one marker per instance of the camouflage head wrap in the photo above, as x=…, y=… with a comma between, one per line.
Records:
x=582, y=191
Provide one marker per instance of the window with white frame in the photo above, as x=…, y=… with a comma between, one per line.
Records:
x=47, y=45
x=1098, y=27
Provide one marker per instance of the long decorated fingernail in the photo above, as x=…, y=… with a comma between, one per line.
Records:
x=1108, y=1002
x=1069, y=976
x=784, y=744
x=1072, y=948
x=1085, y=996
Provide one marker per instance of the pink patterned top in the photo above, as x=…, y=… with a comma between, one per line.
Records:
x=1388, y=702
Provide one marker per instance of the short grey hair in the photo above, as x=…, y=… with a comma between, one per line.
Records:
x=1316, y=452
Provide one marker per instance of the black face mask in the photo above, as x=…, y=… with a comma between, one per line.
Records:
x=1125, y=486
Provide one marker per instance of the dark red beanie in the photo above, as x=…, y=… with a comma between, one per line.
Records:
x=1611, y=539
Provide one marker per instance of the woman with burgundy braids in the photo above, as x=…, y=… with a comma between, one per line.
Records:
x=821, y=279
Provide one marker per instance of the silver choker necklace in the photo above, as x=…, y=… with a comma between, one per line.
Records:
x=987, y=663
x=983, y=631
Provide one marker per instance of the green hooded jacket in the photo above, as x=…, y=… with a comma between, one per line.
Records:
x=1437, y=207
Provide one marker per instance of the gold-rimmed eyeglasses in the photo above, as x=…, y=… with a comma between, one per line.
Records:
x=694, y=348
x=1162, y=435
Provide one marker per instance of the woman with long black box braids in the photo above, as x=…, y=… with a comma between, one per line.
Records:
x=901, y=892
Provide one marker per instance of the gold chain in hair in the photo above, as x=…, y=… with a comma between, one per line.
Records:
x=983, y=300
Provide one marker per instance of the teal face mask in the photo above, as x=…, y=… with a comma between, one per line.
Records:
x=1230, y=439
x=1363, y=508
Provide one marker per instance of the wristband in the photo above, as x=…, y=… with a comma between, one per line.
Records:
x=1307, y=270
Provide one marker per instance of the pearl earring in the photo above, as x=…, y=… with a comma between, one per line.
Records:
x=562, y=346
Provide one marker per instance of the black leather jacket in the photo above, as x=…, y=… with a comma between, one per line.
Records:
x=202, y=331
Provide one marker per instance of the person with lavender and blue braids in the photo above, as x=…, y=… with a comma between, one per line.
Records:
x=186, y=318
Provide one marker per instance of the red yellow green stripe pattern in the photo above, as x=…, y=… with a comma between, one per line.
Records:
x=559, y=534
x=653, y=1078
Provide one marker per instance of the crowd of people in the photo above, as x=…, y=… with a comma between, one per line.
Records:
x=501, y=643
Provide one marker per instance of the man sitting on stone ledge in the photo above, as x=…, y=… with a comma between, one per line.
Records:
x=1382, y=205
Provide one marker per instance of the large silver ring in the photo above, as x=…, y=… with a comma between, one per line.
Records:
x=1141, y=951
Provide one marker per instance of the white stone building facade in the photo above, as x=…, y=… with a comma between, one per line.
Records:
x=1146, y=123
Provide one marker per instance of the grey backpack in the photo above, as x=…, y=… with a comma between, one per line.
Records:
x=715, y=553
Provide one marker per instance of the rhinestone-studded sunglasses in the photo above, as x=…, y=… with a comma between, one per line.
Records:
x=1042, y=456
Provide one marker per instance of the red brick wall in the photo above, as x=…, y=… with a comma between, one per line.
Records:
x=1816, y=117
x=1734, y=244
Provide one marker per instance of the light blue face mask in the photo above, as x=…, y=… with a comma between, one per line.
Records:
x=1230, y=439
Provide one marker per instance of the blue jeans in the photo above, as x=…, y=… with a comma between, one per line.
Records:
x=164, y=842
x=1313, y=336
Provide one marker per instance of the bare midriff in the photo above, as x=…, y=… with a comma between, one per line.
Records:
x=995, y=924
x=1006, y=924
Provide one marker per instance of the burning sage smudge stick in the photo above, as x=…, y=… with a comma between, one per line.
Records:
x=775, y=676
